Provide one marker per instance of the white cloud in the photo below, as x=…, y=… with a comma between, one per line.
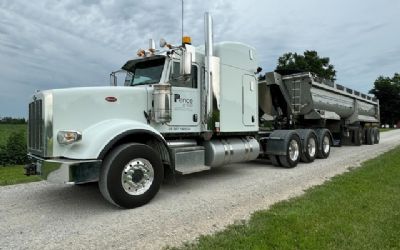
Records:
x=53, y=44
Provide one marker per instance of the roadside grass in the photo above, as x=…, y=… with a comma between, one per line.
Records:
x=357, y=210
x=10, y=175
x=7, y=129
x=385, y=129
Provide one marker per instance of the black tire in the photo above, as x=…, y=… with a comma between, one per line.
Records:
x=310, y=148
x=359, y=136
x=275, y=160
x=324, y=143
x=370, y=136
x=377, y=136
x=293, y=152
x=137, y=161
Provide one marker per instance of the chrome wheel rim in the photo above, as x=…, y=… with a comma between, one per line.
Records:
x=326, y=144
x=137, y=176
x=311, y=147
x=294, y=151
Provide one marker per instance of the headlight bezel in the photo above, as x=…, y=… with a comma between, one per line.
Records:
x=66, y=137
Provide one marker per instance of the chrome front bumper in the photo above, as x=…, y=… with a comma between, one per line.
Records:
x=64, y=170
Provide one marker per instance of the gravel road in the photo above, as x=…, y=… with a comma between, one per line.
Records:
x=48, y=216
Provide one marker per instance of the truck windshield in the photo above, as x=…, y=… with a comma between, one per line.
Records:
x=142, y=72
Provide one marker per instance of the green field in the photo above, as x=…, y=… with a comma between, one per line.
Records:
x=356, y=210
x=6, y=129
x=15, y=174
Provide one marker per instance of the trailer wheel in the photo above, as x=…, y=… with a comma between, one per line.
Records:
x=377, y=136
x=293, y=152
x=325, y=144
x=310, y=148
x=359, y=136
x=131, y=175
x=370, y=136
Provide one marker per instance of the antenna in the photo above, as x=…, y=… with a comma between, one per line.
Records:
x=182, y=20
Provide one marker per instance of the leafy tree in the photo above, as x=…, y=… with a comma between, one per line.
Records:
x=16, y=148
x=308, y=62
x=387, y=90
x=14, y=151
x=3, y=155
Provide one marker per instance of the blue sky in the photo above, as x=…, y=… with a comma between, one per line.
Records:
x=57, y=44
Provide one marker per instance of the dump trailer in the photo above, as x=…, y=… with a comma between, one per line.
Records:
x=185, y=109
x=304, y=100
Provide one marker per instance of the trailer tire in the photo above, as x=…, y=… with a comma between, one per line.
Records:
x=310, y=147
x=293, y=152
x=370, y=136
x=131, y=175
x=359, y=136
x=377, y=136
x=325, y=142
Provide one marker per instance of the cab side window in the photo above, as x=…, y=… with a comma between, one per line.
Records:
x=177, y=80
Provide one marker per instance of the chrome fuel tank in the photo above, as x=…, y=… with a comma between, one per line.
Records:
x=230, y=150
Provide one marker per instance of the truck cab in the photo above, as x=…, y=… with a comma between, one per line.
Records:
x=182, y=109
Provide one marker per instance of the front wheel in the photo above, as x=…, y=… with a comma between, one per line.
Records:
x=131, y=175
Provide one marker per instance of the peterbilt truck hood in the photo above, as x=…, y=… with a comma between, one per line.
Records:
x=80, y=108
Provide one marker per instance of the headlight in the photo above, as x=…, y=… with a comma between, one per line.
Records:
x=68, y=137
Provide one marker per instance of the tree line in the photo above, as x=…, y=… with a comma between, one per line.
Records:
x=11, y=120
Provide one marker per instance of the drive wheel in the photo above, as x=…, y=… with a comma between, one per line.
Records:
x=311, y=146
x=325, y=145
x=275, y=160
x=293, y=153
x=131, y=175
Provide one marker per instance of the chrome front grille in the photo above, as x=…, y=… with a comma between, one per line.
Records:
x=36, y=128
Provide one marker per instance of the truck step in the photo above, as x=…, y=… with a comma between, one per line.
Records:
x=189, y=160
x=184, y=170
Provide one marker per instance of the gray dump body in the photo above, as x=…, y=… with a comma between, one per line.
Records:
x=316, y=98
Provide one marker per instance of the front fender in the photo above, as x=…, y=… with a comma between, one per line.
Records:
x=96, y=137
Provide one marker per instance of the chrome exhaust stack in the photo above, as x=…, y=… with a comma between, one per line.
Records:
x=208, y=35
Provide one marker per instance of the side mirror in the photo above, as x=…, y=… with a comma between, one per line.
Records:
x=113, y=79
x=163, y=43
x=186, y=63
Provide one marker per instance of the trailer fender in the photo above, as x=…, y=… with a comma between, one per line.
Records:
x=277, y=141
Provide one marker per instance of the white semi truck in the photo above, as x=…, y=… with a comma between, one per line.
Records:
x=187, y=109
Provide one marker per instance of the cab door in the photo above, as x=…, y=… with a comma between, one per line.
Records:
x=249, y=100
x=185, y=98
